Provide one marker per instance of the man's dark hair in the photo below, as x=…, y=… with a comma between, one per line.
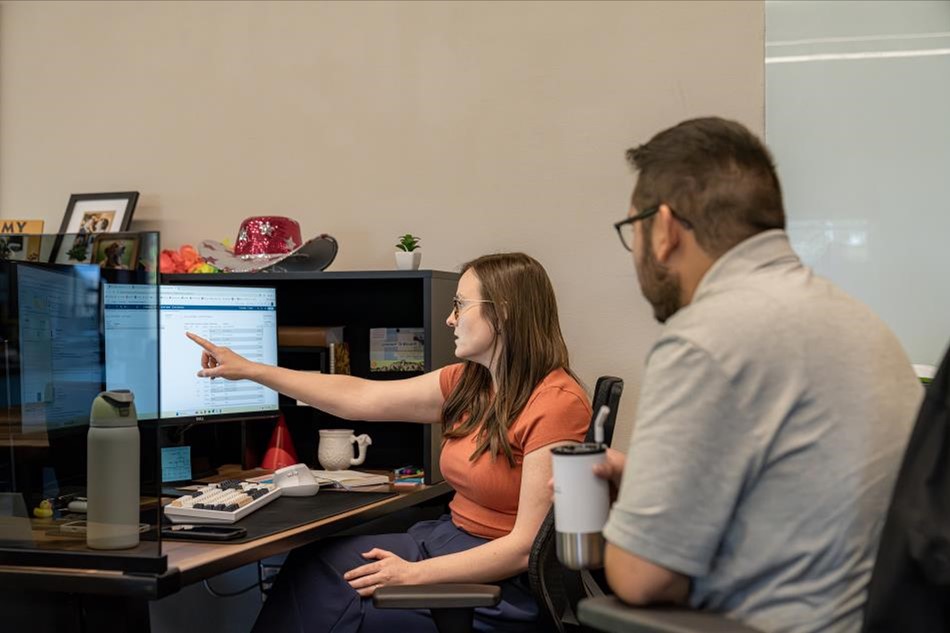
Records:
x=714, y=173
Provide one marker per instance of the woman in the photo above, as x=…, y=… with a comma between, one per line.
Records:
x=511, y=399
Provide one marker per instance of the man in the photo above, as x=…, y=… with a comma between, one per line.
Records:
x=774, y=409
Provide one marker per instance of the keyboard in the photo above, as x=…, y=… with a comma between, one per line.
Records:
x=222, y=502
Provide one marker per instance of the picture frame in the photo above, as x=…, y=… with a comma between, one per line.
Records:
x=86, y=215
x=21, y=240
x=116, y=251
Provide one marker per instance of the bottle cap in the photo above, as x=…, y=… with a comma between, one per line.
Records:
x=113, y=409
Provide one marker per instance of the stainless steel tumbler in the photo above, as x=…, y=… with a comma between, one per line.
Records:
x=581, y=504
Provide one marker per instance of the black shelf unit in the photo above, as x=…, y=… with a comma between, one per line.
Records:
x=358, y=301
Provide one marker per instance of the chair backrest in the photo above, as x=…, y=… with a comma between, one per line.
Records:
x=910, y=584
x=556, y=588
x=607, y=392
x=544, y=576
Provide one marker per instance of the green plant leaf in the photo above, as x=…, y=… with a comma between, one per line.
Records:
x=408, y=242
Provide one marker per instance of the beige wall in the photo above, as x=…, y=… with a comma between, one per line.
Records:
x=479, y=126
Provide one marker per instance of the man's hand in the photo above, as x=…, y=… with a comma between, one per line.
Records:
x=388, y=569
x=221, y=362
x=612, y=470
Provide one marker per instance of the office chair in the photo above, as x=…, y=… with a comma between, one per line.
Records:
x=910, y=583
x=607, y=391
x=609, y=614
x=556, y=588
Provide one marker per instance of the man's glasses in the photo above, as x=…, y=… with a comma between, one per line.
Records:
x=461, y=305
x=625, y=227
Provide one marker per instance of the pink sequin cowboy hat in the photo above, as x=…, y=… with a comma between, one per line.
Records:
x=271, y=243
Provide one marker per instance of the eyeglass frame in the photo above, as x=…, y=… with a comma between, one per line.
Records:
x=646, y=213
x=458, y=308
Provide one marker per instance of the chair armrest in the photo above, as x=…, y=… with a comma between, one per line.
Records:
x=608, y=613
x=449, y=596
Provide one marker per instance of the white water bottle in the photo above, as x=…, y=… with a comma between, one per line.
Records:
x=581, y=504
x=112, y=481
x=581, y=499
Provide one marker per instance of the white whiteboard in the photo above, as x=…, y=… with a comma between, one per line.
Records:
x=858, y=117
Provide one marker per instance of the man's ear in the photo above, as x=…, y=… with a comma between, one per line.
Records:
x=666, y=234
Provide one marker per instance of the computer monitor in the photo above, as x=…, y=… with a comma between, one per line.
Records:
x=130, y=343
x=242, y=318
x=53, y=360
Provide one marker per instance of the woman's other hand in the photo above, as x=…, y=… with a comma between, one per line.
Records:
x=387, y=569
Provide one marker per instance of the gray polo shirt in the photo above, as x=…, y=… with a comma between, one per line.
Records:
x=773, y=415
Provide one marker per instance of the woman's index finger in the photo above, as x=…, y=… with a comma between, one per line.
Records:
x=200, y=341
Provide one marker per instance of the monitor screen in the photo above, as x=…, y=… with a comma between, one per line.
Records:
x=60, y=369
x=130, y=339
x=244, y=319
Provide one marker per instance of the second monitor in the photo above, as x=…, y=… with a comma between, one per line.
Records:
x=241, y=318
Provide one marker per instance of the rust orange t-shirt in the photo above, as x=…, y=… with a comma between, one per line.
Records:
x=486, y=492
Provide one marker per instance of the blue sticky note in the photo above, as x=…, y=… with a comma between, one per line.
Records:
x=176, y=463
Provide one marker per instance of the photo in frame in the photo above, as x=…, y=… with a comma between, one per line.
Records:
x=86, y=215
x=116, y=251
x=21, y=240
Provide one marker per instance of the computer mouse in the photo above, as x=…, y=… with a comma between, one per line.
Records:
x=296, y=481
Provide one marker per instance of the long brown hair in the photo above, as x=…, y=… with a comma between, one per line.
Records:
x=523, y=314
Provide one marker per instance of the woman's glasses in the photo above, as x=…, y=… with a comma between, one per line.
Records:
x=461, y=305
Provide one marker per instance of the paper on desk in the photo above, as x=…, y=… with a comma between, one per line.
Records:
x=349, y=478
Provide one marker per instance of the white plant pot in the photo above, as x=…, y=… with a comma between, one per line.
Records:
x=408, y=261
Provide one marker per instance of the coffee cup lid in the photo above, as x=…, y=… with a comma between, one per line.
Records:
x=587, y=448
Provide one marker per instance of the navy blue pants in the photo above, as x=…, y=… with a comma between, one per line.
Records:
x=310, y=595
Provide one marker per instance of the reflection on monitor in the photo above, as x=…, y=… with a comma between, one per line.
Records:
x=130, y=336
x=59, y=355
x=244, y=319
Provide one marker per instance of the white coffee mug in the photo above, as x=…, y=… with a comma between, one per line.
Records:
x=335, y=451
x=581, y=504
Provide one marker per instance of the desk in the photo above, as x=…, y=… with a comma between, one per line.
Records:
x=64, y=600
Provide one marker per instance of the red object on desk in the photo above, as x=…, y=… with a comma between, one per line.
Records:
x=280, y=451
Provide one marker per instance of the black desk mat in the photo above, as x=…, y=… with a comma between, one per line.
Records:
x=289, y=512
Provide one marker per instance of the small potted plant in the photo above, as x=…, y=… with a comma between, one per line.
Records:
x=408, y=255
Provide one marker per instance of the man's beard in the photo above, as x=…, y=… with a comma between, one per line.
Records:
x=658, y=285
